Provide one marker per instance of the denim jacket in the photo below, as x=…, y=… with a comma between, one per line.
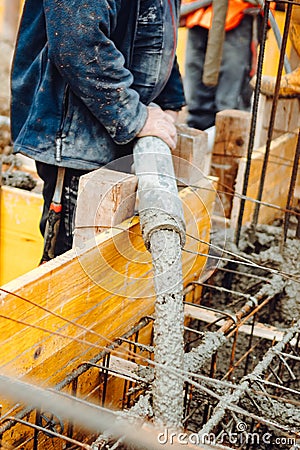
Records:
x=83, y=74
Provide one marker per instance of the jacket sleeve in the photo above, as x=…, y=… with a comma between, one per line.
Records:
x=80, y=45
x=172, y=96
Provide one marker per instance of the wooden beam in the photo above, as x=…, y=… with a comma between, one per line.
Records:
x=192, y=157
x=231, y=143
x=260, y=330
x=287, y=118
x=105, y=199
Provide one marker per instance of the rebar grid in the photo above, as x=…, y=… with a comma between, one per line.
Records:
x=272, y=382
x=248, y=380
x=45, y=425
x=242, y=402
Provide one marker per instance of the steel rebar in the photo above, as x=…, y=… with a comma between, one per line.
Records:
x=291, y=191
x=72, y=377
x=220, y=409
x=272, y=117
x=253, y=122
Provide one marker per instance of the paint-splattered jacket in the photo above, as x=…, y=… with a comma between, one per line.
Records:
x=83, y=73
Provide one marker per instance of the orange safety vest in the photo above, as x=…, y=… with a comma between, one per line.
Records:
x=203, y=16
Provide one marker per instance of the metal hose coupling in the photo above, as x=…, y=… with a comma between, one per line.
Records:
x=160, y=207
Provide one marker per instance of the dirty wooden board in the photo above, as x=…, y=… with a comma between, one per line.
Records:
x=231, y=142
x=260, y=329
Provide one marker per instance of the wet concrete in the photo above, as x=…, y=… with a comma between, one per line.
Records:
x=163, y=229
x=272, y=409
x=267, y=250
x=12, y=175
x=18, y=179
x=201, y=355
x=165, y=249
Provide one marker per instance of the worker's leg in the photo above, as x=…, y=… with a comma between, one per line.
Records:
x=233, y=91
x=48, y=173
x=200, y=98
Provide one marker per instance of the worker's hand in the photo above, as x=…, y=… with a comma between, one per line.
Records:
x=160, y=124
x=173, y=114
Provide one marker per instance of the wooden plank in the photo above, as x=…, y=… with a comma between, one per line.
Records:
x=105, y=198
x=260, y=330
x=232, y=133
x=115, y=387
x=21, y=243
x=231, y=143
x=286, y=120
x=192, y=157
x=278, y=174
x=123, y=368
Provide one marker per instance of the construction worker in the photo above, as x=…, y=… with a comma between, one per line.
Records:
x=233, y=90
x=89, y=77
x=289, y=83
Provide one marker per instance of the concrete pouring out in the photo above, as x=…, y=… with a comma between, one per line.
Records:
x=162, y=329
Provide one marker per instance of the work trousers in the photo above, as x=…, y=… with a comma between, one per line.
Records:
x=48, y=173
x=233, y=90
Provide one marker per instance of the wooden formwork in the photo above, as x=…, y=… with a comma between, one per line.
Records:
x=112, y=276
x=229, y=159
x=278, y=175
x=287, y=118
x=280, y=162
x=231, y=142
x=106, y=288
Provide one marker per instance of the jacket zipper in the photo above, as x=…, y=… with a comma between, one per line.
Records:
x=59, y=135
x=58, y=146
